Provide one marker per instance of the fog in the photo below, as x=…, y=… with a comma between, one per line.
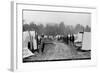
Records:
x=45, y=17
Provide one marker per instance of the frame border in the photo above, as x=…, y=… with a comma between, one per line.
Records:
x=14, y=40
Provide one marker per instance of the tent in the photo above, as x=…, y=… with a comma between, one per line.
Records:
x=33, y=35
x=26, y=38
x=79, y=37
x=86, y=44
x=25, y=51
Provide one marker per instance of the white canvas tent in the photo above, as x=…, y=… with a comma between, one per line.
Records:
x=26, y=39
x=86, y=44
x=25, y=51
x=33, y=35
x=78, y=37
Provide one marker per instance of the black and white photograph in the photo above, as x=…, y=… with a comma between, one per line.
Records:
x=49, y=35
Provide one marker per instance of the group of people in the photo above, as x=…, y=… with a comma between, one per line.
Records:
x=68, y=39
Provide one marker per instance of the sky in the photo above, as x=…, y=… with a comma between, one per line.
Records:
x=68, y=18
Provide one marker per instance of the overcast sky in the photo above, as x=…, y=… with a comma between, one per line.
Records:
x=56, y=17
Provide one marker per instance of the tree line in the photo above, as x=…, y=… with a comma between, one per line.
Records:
x=55, y=29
